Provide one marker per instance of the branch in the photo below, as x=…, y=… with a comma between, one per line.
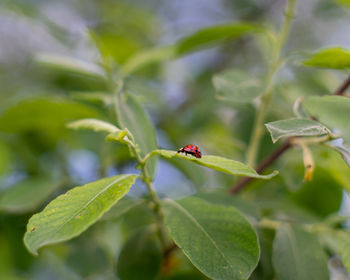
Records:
x=265, y=163
x=342, y=88
x=281, y=149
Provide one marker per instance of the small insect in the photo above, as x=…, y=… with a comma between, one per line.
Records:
x=192, y=150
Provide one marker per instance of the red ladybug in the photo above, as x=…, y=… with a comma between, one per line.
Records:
x=192, y=150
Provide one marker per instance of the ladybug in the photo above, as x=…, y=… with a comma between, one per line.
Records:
x=192, y=150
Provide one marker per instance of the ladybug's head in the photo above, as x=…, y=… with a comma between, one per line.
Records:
x=197, y=153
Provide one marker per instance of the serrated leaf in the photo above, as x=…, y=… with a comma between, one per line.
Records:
x=333, y=111
x=339, y=242
x=147, y=57
x=70, y=64
x=132, y=116
x=93, y=124
x=27, y=195
x=297, y=255
x=73, y=212
x=237, y=86
x=140, y=257
x=295, y=127
x=218, y=163
x=43, y=114
x=218, y=240
x=212, y=35
x=335, y=58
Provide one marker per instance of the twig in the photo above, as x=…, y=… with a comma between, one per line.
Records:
x=168, y=250
x=265, y=163
x=281, y=149
x=342, y=88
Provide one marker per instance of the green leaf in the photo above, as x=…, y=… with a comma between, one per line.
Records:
x=6, y=158
x=264, y=270
x=342, y=150
x=339, y=242
x=147, y=57
x=73, y=212
x=333, y=111
x=122, y=207
x=71, y=65
x=295, y=127
x=335, y=58
x=141, y=256
x=297, y=255
x=212, y=35
x=114, y=133
x=222, y=198
x=237, y=86
x=197, y=175
x=344, y=3
x=217, y=239
x=218, y=163
x=322, y=195
x=100, y=98
x=43, y=114
x=132, y=116
x=27, y=195
x=337, y=168
x=93, y=124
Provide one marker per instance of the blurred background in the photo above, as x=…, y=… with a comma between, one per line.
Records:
x=36, y=101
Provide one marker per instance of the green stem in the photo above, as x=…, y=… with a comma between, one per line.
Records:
x=258, y=129
x=157, y=204
x=271, y=224
x=145, y=177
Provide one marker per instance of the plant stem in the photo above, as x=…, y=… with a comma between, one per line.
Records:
x=265, y=163
x=145, y=176
x=157, y=204
x=267, y=94
x=271, y=224
x=342, y=88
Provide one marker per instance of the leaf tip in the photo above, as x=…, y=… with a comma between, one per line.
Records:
x=269, y=176
x=31, y=250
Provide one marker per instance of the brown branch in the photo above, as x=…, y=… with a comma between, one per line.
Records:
x=265, y=163
x=342, y=88
x=280, y=150
x=167, y=263
x=167, y=251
